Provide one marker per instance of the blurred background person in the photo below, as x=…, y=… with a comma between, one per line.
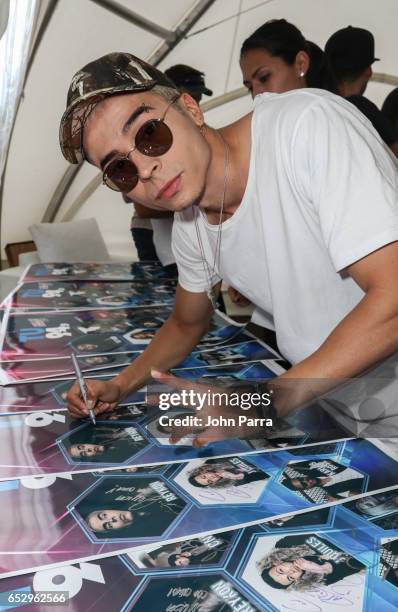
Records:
x=390, y=107
x=277, y=58
x=350, y=53
x=189, y=80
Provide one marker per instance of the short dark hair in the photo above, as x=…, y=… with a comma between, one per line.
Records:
x=279, y=38
x=345, y=73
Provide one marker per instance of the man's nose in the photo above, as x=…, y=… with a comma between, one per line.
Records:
x=146, y=166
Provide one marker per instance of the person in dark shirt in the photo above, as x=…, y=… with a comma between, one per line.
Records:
x=350, y=53
x=301, y=562
x=222, y=473
x=390, y=107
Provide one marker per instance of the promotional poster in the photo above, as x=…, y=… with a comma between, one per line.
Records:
x=40, y=369
x=44, y=442
x=60, y=367
x=73, y=295
x=317, y=560
x=87, y=332
x=72, y=517
x=52, y=394
x=48, y=395
x=137, y=270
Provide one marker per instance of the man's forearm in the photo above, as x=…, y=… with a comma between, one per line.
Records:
x=170, y=346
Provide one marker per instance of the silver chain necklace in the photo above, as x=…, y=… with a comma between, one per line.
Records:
x=206, y=268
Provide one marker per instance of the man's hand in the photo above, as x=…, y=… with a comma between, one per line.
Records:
x=204, y=433
x=103, y=396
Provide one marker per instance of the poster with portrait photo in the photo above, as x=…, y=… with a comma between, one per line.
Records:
x=40, y=369
x=48, y=442
x=205, y=551
x=323, y=480
x=252, y=350
x=248, y=556
x=223, y=481
x=108, y=444
x=230, y=374
x=127, y=508
x=137, y=270
x=50, y=511
x=48, y=395
x=61, y=534
x=44, y=441
x=222, y=332
x=74, y=295
x=318, y=517
x=307, y=567
x=56, y=334
x=212, y=592
x=377, y=506
x=352, y=468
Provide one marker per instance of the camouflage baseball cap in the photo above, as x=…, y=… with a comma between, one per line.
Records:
x=111, y=74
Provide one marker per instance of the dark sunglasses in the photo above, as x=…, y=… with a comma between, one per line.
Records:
x=152, y=139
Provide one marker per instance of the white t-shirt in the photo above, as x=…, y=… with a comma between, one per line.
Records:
x=162, y=229
x=321, y=194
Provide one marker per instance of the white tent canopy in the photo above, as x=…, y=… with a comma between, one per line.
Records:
x=81, y=30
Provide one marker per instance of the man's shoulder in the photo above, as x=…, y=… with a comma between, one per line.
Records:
x=294, y=102
x=288, y=109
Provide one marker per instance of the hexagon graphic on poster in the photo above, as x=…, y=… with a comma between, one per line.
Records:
x=281, y=568
x=222, y=481
x=208, y=551
x=120, y=508
x=212, y=591
x=388, y=562
x=322, y=480
x=108, y=443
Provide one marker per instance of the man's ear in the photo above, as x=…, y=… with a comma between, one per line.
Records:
x=192, y=108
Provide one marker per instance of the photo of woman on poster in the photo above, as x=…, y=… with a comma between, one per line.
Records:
x=301, y=562
x=374, y=506
x=129, y=507
x=280, y=568
x=222, y=473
